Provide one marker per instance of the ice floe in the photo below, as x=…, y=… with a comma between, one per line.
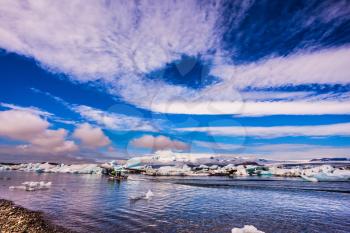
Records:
x=246, y=229
x=55, y=168
x=146, y=196
x=32, y=186
x=149, y=194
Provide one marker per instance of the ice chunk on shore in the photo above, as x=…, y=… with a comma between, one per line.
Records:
x=32, y=186
x=246, y=229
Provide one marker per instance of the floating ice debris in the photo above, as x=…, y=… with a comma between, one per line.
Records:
x=145, y=196
x=149, y=194
x=309, y=178
x=335, y=176
x=32, y=186
x=55, y=168
x=325, y=173
x=246, y=229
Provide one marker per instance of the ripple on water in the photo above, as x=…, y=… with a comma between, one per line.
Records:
x=91, y=203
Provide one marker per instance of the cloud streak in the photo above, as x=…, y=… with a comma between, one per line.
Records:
x=341, y=129
x=104, y=39
x=251, y=108
x=114, y=121
x=119, y=42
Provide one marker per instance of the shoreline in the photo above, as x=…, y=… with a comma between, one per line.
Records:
x=15, y=218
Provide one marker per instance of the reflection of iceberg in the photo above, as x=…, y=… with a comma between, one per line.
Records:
x=246, y=229
x=32, y=186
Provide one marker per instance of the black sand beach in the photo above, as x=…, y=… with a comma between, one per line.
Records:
x=15, y=218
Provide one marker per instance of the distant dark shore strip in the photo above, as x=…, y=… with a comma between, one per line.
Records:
x=15, y=218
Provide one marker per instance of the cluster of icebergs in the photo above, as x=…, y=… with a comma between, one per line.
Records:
x=246, y=229
x=201, y=170
x=55, y=168
x=32, y=186
x=314, y=174
x=308, y=173
x=166, y=157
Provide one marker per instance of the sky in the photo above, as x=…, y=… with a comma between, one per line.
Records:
x=102, y=80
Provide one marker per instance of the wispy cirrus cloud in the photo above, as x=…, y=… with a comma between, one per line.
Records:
x=30, y=109
x=106, y=118
x=114, y=121
x=299, y=151
x=329, y=66
x=218, y=145
x=120, y=42
x=341, y=129
x=103, y=39
x=252, y=108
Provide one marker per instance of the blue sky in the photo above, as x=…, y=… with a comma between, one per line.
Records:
x=116, y=79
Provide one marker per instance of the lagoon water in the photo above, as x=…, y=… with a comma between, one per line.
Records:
x=91, y=203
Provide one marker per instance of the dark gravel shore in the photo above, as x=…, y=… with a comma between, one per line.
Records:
x=15, y=218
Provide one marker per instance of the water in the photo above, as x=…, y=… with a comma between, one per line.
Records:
x=90, y=203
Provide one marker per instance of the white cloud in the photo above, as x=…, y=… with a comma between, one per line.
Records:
x=30, y=128
x=226, y=97
x=250, y=108
x=31, y=109
x=39, y=112
x=90, y=136
x=323, y=67
x=118, y=42
x=341, y=129
x=104, y=39
x=159, y=143
x=299, y=151
x=218, y=145
x=112, y=120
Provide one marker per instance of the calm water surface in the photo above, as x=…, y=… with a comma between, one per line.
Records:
x=90, y=203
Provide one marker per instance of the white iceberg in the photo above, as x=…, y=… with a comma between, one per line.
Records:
x=246, y=229
x=335, y=176
x=325, y=173
x=241, y=171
